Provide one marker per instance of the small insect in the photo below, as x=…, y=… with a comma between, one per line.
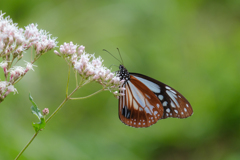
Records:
x=147, y=100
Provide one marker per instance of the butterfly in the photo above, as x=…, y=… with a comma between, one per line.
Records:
x=147, y=100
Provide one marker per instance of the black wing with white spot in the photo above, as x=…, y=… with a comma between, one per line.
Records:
x=174, y=104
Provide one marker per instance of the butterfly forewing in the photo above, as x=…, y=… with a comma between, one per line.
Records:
x=139, y=107
x=174, y=104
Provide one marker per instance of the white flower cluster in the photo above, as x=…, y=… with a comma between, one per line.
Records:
x=5, y=89
x=14, y=42
x=91, y=68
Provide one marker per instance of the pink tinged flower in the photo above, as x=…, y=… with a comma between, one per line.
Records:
x=11, y=89
x=19, y=71
x=45, y=111
x=110, y=75
x=81, y=49
x=68, y=48
x=12, y=75
x=56, y=52
x=3, y=86
x=90, y=72
x=31, y=31
x=51, y=44
x=96, y=77
x=20, y=40
x=62, y=49
x=115, y=93
x=4, y=64
x=29, y=66
x=74, y=58
x=116, y=80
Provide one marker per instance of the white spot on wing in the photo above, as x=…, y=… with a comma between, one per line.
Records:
x=167, y=87
x=158, y=105
x=168, y=110
x=176, y=111
x=164, y=104
x=185, y=110
x=151, y=85
x=160, y=97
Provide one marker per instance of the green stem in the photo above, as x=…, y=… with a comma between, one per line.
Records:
x=64, y=101
x=54, y=113
x=17, y=80
x=76, y=78
x=33, y=137
x=68, y=81
x=88, y=95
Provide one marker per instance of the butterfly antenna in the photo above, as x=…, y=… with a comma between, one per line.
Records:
x=112, y=55
x=120, y=55
x=113, y=65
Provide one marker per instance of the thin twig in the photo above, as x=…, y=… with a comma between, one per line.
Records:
x=27, y=145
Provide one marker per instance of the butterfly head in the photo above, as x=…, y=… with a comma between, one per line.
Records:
x=123, y=73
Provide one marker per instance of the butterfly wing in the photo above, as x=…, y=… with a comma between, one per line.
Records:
x=139, y=107
x=174, y=103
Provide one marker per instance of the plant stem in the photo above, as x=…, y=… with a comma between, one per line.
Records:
x=33, y=137
x=68, y=80
x=55, y=112
x=88, y=95
x=60, y=106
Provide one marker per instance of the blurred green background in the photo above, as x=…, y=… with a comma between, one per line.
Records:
x=193, y=46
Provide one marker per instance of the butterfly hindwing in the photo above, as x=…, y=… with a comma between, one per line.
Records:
x=174, y=103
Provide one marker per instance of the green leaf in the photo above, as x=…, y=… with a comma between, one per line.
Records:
x=41, y=124
x=35, y=109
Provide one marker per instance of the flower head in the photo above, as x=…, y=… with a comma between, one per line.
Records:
x=90, y=67
x=6, y=88
x=14, y=42
x=45, y=111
